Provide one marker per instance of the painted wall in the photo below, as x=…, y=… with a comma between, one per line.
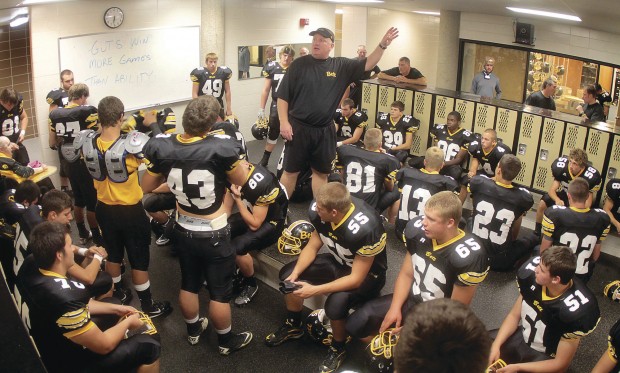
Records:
x=354, y=24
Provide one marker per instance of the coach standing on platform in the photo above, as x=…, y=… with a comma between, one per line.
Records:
x=307, y=99
x=485, y=83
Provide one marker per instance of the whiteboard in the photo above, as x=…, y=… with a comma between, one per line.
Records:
x=141, y=67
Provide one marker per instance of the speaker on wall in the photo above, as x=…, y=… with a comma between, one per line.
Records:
x=524, y=34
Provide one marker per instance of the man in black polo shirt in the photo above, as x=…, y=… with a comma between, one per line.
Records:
x=403, y=73
x=544, y=97
x=307, y=99
x=591, y=109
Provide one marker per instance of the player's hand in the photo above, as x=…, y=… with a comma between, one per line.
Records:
x=22, y=134
x=560, y=203
x=399, y=79
x=97, y=250
x=122, y=310
x=509, y=368
x=292, y=277
x=392, y=317
x=306, y=290
x=390, y=35
x=261, y=113
x=228, y=112
x=235, y=190
x=13, y=146
x=617, y=225
x=150, y=117
x=134, y=321
x=471, y=174
x=286, y=130
x=494, y=354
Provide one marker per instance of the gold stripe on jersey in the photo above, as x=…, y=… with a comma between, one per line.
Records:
x=547, y=226
x=363, y=125
x=611, y=351
x=391, y=176
x=473, y=278
x=251, y=170
x=75, y=322
x=429, y=172
x=268, y=199
x=580, y=334
x=437, y=246
x=344, y=218
x=92, y=121
x=545, y=296
x=455, y=132
x=235, y=165
x=507, y=186
x=127, y=193
x=188, y=140
x=79, y=331
x=576, y=209
x=374, y=249
x=605, y=233
x=50, y=273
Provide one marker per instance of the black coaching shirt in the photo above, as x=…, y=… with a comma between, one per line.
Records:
x=360, y=232
x=545, y=320
x=561, y=172
x=263, y=189
x=68, y=121
x=310, y=84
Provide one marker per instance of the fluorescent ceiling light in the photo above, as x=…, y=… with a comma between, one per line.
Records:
x=18, y=21
x=339, y=11
x=354, y=1
x=545, y=14
x=427, y=12
x=30, y=2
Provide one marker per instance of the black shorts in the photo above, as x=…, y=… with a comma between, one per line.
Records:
x=84, y=192
x=515, y=350
x=21, y=155
x=102, y=284
x=63, y=170
x=387, y=199
x=561, y=195
x=366, y=320
x=274, y=123
x=130, y=354
x=154, y=202
x=326, y=269
x=206, y=258
x=401, y=155
x=455, y=171
x=243, y=239
x=311, y=146
x=125, y=227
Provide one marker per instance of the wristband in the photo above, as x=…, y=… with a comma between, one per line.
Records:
x=382, y=47
x=83, y=251
x=339, y=143
x=98, y=257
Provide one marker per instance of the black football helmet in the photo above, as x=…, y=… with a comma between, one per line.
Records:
x=380, y=352
x=612, y=291
x=319, y=327
x=233, y=120
x=260, y=128
x=295, y=237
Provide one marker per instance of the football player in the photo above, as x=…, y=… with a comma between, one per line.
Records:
x=10, y=167
x=609, y=360
x=441, y=261
x=442, y=335
x=350, y=123
x=498, y=209
x=14, y=122
x=417, y=186
x=273, y=73
x=112, y=160
x=555, y=310
x=564, y=170
x=369, y=173
x=61, y=314
x=485, y=154
x=263, y=206
x=351, y=273
x=59, y=97
x=213, y=80
x=197, y=167
x=64, y=124
x=612, y=202
x=398, y=130
x=578, y=227
x=454, y=141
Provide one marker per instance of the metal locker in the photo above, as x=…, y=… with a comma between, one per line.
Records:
x=467, y=110
x=443, y=106
x=550, y=146
x=386, y=97
x=422, y=106
x=527, y=147
x=613, y=169
x=596, y=147
x=485, y=118
x=506, y=126
x=406, y=97
x=369, y=102
x=574, y=137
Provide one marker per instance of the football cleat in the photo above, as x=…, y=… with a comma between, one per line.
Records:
x=194, y=338
x=237, y=342
x=380, y=352
x=286, y=332
x=612, y=291
x=295, y=237
x=319, y=328
x=260, y=128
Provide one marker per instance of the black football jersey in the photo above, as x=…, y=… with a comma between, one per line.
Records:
x=9, y=214
x=612, y=190
x=451, y=142
x=10, y=120
x=416, y=187
x=275, y=72
x=68, y=121
x=360, y=232
x=58, y=97
x=365, y=171
x=488, y=161
x=495, y=208
x=229, y=129
x=394, y=134
x=545, y=320
x=579, y=229
x=263, y=189
x=437, y=268
x=58, y=310
x=211, y=84
x=614, y=345
x=195, y=169
x=347, y=126
x=561, y=173
x=26, y=222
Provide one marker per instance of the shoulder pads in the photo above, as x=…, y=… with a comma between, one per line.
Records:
x=135, y=142
x=81, y=137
